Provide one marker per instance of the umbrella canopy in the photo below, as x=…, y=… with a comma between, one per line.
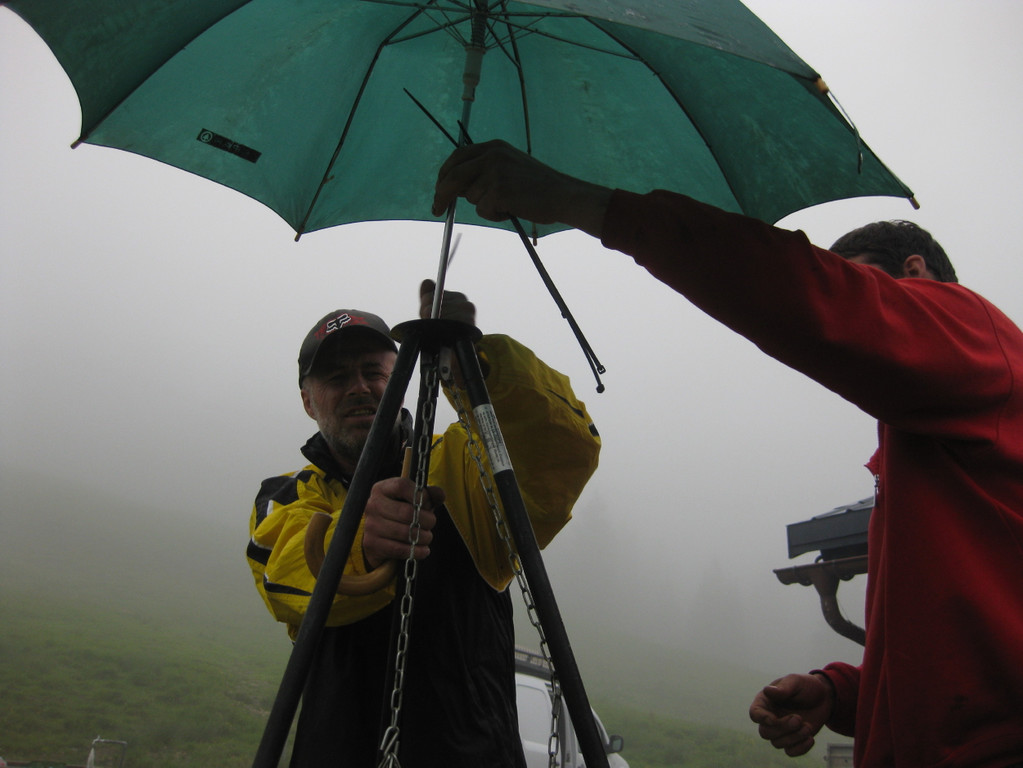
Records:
x=300, y=104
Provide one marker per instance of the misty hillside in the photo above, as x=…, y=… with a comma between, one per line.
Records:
x=167, y=558
x=122, y=605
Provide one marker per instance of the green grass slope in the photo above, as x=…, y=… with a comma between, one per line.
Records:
x=72, y=671
x=125, y=620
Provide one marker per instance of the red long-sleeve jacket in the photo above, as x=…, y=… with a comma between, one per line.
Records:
x=941, y=683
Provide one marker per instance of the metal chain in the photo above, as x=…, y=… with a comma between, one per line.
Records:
x=476, y=452
x=391, y=738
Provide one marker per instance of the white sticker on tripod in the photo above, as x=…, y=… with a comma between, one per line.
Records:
x=486, y=421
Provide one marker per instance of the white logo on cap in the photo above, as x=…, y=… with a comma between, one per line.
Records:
x=338, y=323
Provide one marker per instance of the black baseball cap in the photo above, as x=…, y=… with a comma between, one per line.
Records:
x=332, y=325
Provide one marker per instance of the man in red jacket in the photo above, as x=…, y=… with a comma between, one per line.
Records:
x=883, y=323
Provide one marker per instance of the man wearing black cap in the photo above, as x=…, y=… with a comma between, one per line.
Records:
x=458, y=698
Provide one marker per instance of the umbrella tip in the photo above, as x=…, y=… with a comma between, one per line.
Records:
x=822, y=86
x=914, y=203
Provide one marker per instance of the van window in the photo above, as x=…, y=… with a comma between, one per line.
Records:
x=534, y=707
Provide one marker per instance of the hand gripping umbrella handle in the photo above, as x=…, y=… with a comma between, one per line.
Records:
x=350, y=584
x=591, y=358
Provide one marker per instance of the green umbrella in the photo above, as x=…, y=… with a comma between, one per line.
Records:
x=301, y=104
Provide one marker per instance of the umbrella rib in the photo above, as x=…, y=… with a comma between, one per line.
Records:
x=420, y=6
x=517, y=60
x=466, y=8
x=499, y=42
x=674, y=96
x=461, y=12
x=327, y=175
x=529, y=29
x=508, y=17
x=447, y=26
x=87, y=131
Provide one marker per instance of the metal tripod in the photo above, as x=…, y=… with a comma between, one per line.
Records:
x=427, y=338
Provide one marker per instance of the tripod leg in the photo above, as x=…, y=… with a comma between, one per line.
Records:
x=422, y=437
x=296, y=672
x=521, y=529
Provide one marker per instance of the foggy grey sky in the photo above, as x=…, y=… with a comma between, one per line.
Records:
x=151, y=320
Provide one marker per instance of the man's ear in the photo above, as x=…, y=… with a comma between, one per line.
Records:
x=915, y=266
x=307, y=403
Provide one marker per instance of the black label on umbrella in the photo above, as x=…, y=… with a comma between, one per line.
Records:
x=224, y=143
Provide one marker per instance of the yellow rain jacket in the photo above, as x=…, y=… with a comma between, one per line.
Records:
x=553, y=447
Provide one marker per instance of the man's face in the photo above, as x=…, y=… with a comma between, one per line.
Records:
x=343, y=392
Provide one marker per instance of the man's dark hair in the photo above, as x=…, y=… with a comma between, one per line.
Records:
x=891, y=243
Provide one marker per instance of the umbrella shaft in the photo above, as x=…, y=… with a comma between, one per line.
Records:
x=442, y=268
x=474, y=52
x=470, y=79
x=471, y=73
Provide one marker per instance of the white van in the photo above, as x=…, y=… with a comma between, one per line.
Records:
x=532, y=677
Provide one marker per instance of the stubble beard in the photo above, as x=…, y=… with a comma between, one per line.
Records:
x=347, y=445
